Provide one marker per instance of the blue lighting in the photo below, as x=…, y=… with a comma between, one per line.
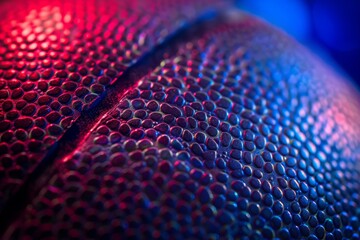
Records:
x=290, y=16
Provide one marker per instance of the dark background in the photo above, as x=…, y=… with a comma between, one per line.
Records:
x=331, y=28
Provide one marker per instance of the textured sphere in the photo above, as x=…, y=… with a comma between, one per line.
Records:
x=170, y=120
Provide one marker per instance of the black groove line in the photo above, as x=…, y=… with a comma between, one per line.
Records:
x=88, y=118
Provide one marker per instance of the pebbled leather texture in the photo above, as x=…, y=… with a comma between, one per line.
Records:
x=237, y=132
x=58, y=59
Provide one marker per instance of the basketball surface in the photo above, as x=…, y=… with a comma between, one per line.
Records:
x=170, y=120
